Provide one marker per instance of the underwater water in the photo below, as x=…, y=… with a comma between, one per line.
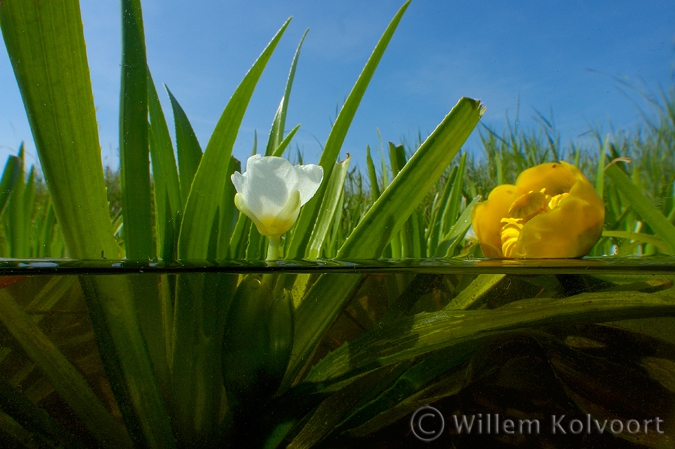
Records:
x=566, y=353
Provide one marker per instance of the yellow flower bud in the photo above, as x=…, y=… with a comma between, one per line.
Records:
x=552, y=211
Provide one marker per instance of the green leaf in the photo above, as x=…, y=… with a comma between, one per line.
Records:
x=446, y=247
x=200, y=308
x=13, y=169
x=382, y=221
x=168, y=202
x=125, y=357
x=207, y=188
x=16, y=215
x=410, y=383
x=134, y=154
x=426, y=332
x=228, y=212
x=303, y=227
x=279, y=123
x=642, y=205
x=187, y=147
x=61, y=374
x=33, y=418
x=410, y=186
x=600, y=174
x=451, y=210
x=475, y=292
x=372, y=176
x=639, y=237
x=435, y=233
x=45, y=43
x=284, y=143
x=328, y=208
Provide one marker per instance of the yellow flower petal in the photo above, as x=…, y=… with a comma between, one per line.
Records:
x=553, y=211
x=486, y=218
x=527, y=205
x=552, y=176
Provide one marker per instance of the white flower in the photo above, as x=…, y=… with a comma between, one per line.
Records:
x=271, y=191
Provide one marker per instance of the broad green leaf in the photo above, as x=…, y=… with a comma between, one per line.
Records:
x=34, y=419
x=380, y=223
x=426, y=332
x=45, y=43
x=409, y=384
x=642, y=205
x=328, y=208
x=332, y=411
x=139, y=241
x=446, y=386
x=200, y=308
x=123, y=350
x=410, y=186
x=62, y=375
x=187, y=147
x=168, y=202
x=474, y=292
x=303, y=227
x=208, y=184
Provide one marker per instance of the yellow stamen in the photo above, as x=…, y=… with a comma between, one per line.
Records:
x=555, y=201
x=510, y=233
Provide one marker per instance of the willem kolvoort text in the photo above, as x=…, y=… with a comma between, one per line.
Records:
x=493, y=424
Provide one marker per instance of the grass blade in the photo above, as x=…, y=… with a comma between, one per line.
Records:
x=13, y=169
x=134, y=154
x=642, y=205
x=207, y=188
x=446, y=247
x=187, y=147
x=426, y=332
x=327, y=212
x=168, y=203
x=16, y=227
x=198, y=309
x=305, y=223
x=279, y=122
x=45, y=43
x=62, y=375
x=33, y=418
x=372, y=176
x=229, y=214
x=284, y=143
x=423, y=169
x=381, y=222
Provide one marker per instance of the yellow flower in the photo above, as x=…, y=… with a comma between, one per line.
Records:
x=552, y=211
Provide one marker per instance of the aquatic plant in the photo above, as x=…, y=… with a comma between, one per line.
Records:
x=204, y=329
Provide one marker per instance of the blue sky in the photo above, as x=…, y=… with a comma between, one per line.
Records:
x=543, y=55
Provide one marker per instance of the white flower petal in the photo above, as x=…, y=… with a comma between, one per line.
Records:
x=309, y=180
x=271, y=191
